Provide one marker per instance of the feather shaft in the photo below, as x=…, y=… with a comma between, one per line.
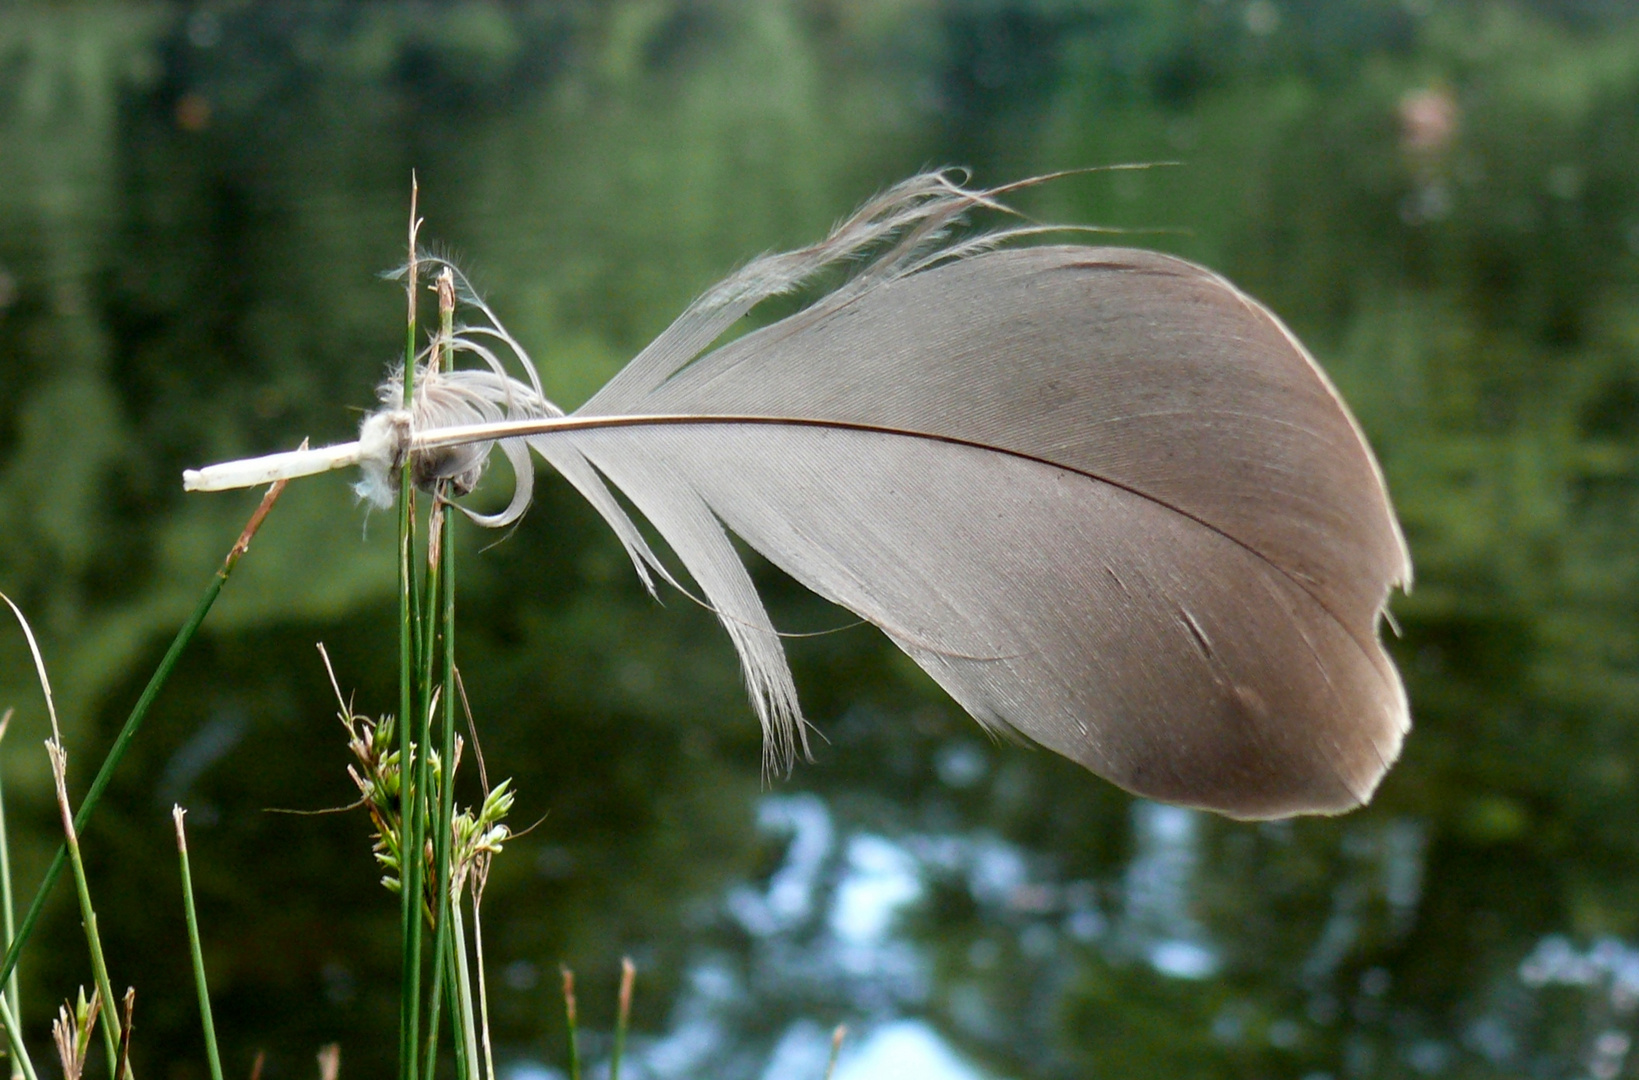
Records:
x=253, y=472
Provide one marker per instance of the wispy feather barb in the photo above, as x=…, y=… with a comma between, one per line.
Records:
x=1103, y=497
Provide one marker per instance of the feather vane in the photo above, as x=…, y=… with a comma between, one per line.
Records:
x=1105, y=499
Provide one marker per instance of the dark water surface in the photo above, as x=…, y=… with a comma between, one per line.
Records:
x=195, y=201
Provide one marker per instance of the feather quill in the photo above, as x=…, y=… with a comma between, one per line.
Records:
x=1104, y=498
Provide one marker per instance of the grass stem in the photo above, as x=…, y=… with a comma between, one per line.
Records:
x=409, y=796
x=452, y=1002
x=129, y=1005
x=444, y=570
x=14, y=1041
x=418, y=776
x=480, y=875
x=569, y=1013
x=623, y=1014
x=837, y=1036
x=13, y=993
x=133, y=723
x=440, y=991
x=463, y=989
x=88, y=914
x=212, y=1057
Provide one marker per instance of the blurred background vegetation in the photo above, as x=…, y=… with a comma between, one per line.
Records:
x=1440, y=196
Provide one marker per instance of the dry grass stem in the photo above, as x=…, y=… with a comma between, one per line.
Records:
x=571, y=1014
x=39, y=664
x=435, y=535
x=12, y=992
x=623, y=1014
x=480, y=877
x=569, y=1006
x=128, y=1006
x=837, y=1036
x=59, y=776
x=628, y=976
x=88, y=913
x=472, y=732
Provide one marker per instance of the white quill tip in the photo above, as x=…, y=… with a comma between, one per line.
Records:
x=252, y=472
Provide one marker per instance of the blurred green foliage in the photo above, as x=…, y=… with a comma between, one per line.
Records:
x=1440, y=196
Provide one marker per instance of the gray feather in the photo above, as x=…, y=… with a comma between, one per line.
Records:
x=1105, y=499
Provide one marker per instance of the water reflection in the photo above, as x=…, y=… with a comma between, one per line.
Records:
x=1601, y=983
x=852, y=924
x=840, y=930
x=826, y=938
x=823, y=933
x=904, y=1048
x=1158, y=923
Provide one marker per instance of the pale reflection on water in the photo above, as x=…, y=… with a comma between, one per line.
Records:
x=828, y=943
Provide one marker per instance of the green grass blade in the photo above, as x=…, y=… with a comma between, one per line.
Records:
x=467, y=1052
x=440, y=991
x=446, y=786
x=418, y=777
x=431, y=817
x=13, y=993
x=412, y=781
x=198, y=955
x=446, y=789
x=409, y=796
x=445, y=571
x=14, y=1039
x=133, y=723
x=445, y=976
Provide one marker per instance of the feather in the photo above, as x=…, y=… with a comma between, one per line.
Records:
x=1104, y=498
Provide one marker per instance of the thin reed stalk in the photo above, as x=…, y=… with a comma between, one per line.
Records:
x=59, y=773
x=133, y=724
x=13, y=993
x=88, y=914
x=837, y=1036
x=443, y=991
x=129, y=1006
x=623, y=1014
x=452, y=1000
x=480, y=877
x=14, y=1041
x=409, y=796
x=194, y=949
x=463, y=990
x=569, y=1013
x=414, y=875
x=444, y=571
